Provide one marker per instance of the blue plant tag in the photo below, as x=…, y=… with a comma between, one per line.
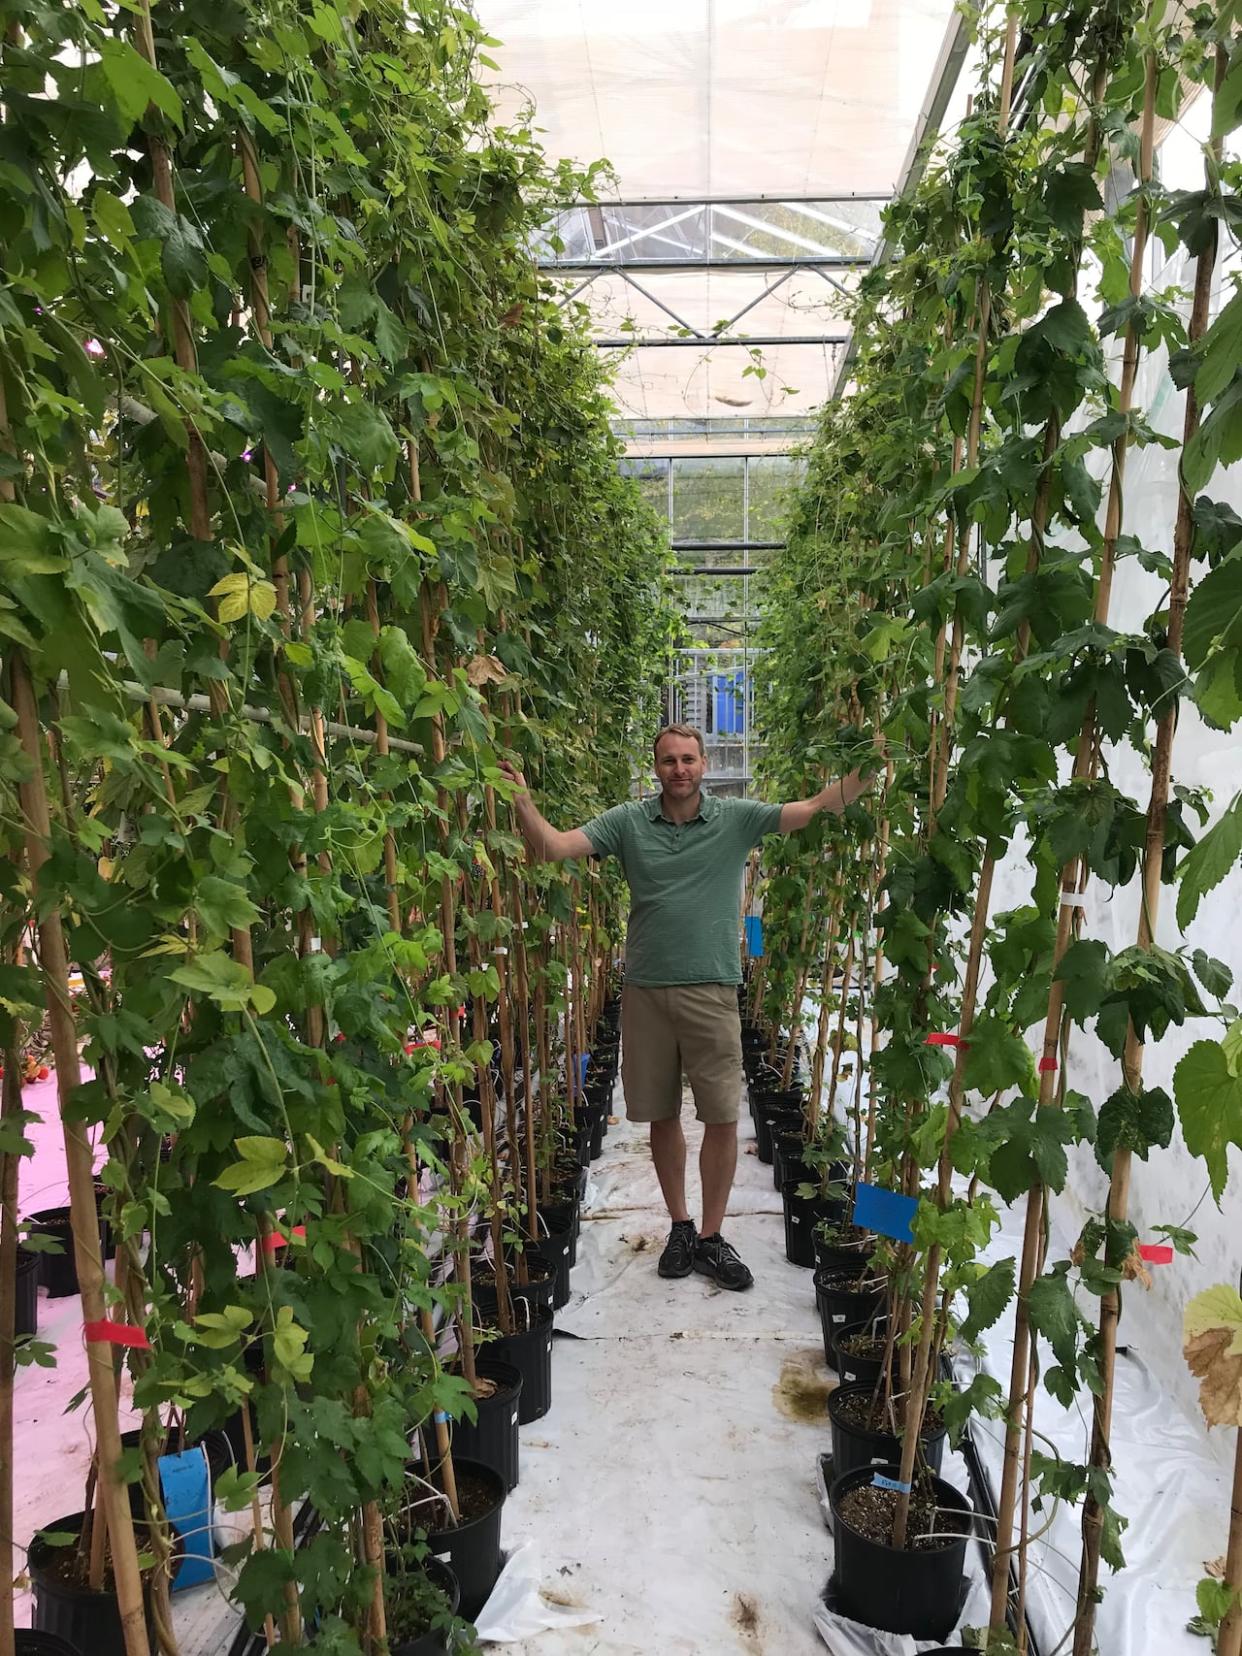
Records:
x=583, y=1061
x=187, y=1501
x=879, y=1481
x=886, y=1212
x=754, y=936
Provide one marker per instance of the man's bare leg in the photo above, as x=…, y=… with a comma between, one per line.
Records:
x=717, y=1165
x=668, y=1152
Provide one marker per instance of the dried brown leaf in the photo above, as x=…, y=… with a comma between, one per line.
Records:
x=1213, y=1349
x=485, y=669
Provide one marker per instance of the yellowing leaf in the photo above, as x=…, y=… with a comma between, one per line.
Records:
x=241, y=594
x=1212, y=1330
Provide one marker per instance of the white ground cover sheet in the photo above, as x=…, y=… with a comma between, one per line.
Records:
x=672, y=1485
x=671, y=1492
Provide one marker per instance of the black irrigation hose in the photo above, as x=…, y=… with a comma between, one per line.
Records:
x=984, y=1503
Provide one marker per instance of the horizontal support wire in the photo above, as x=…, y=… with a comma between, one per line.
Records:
x=760, y=261
x=256, y=715
x=728, y=546
x=747, y=340
x=824, y=199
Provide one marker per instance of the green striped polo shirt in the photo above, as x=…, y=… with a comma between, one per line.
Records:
x=685, y=883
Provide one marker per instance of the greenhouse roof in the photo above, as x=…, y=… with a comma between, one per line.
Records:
x=753, y=145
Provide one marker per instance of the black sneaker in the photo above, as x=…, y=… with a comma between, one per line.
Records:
x=677, y=1260
x=718, y=1259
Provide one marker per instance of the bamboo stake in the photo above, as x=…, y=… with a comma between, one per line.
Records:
x=974, y=432
x=795, y=1011
x=448, y=923
x=1073, y=880
x=1153, y=855
x=256, y=1510
x=186, y=357
x=1229, y=1640
x=487, y=1111
x=84, y=1216
x=838, y=1043
x=528, y=1085
x=11, y=1106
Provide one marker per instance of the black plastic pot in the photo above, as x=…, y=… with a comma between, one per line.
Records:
x=554, y=1250
x=564, y=1216
x=854, y=1446
x=787, y=1161
x=58, y=1272
x=772, y=1124
x=899, y=1590
x=580, y=1143
x=30, y=1642
x=852, y=1368
x=492, y=1439
x=800, y=1218
x=26, y=1310
x=830, y=1257
x=840, y=1307
x=433, y=1643
x=84, y=1619
x=530, y=1353
x=472, y=1548
x=537, y=1295
x=598, y=1128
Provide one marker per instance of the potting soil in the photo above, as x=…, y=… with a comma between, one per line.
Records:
x=871, y=1512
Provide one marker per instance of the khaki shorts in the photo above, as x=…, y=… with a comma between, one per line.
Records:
x=693, y=1027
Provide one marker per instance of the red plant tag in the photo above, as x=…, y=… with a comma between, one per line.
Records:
x=274, y=1239
x=1047, y=1065
x=944, y=1040
x=1156, y=1253
x=107, y=1332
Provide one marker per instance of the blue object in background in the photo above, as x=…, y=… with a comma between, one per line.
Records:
x=754, y=936
x=583, y=1061
x=730, y=698
x=885, y=1211
x=186, y=1484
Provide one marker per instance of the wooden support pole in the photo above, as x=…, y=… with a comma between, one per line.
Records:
x=79, y=1160
x=1100, y=1458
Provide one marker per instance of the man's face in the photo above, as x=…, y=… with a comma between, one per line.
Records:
x=679, y=766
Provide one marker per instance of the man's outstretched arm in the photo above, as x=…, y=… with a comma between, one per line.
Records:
x=835, y=797
x=544, y=842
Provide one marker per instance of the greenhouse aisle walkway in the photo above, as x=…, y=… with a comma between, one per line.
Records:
x=671, y=1488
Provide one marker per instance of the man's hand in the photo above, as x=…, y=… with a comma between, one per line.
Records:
x=545, y=843
x=834, y=796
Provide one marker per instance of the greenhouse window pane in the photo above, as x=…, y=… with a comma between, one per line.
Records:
x=652, y=479
x=709, y=500
x=772, y=480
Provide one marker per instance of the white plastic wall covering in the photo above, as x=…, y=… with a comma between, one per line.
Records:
x=1172, y=1474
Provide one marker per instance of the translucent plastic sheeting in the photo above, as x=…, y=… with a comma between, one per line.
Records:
x=1172, y=1477
x=1171, y=1480
x=722, y=97
x=808, y=104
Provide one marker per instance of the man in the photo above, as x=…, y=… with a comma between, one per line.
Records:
x=683, y=853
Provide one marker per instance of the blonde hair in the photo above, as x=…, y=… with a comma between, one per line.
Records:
x=678, y=730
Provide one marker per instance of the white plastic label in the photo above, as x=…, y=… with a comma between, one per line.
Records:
x=848, y=1374
x=838, y=1316
x=879, y=1460
x=513, y=1419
